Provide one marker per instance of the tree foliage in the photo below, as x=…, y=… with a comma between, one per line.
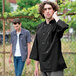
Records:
x=31, y=24
x=0, y=6
x=71, y=8
x=7, y=9
x=59, y=2
x=27, y=4
x=7, y=6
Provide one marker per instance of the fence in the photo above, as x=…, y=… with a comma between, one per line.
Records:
x=69, y=53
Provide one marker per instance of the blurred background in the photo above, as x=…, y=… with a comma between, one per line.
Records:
x=27, y=11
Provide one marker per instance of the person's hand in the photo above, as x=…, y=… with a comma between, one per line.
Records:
x=10, y=60
x=55, y=16
x=36, y=72
x=28, y=61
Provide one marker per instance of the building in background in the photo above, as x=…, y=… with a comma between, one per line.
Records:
x=13, y=5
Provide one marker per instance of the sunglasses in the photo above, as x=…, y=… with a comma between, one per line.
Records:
x=16, y=23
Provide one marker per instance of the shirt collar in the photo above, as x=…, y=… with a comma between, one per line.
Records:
x=52, y=21
x=22, y=32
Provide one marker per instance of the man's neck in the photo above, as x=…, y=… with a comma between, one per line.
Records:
x=48, y=20
x=19, y=30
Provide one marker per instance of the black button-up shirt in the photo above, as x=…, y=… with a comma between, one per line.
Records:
x=47, y=46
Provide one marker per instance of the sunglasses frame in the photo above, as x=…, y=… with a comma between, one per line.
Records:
x=16, y=23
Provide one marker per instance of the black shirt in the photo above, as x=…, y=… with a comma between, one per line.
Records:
x=47, y=46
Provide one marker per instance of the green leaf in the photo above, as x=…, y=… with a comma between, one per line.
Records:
x=5, y=15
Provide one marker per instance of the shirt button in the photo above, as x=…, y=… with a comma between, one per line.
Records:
x=43, y=33
x=48, y=32
x=21, y=38
x=47, y=51
x=42, y=42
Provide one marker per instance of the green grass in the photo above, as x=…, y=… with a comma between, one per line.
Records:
x=68, y=46
x=70, y=60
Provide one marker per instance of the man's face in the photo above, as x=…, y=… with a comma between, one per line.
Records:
x=48, y=11
x=17, y=26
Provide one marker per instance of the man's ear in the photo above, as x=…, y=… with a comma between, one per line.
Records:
x=54, y=11
x=42, y=11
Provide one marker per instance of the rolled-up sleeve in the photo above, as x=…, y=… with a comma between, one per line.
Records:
x=61, y=27
x=28, y=38
x=11, y=38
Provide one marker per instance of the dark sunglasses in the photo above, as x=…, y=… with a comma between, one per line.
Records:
x=16, y=23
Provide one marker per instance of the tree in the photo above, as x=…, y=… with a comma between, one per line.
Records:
x=29, y=24
x=7, y=9
x=0, y=6
x=70, y=7
x=27, y=4
x=7, y=6
x=59, y=2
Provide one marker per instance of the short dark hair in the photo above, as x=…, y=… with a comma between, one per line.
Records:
x=41, y=7
x=16, y=20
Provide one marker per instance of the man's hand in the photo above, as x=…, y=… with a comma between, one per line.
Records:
x=28, y=61
x=10, y=60
x=36, y=72
x=55, y=16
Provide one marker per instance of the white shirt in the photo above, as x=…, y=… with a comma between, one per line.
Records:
x=17, y=52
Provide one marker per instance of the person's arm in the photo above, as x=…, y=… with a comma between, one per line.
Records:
x=10, y=61
x=28, y=40
x=55, y=16
x=36, y=72
x=29, y=48
x=61, y=25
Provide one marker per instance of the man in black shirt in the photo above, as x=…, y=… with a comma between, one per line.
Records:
x=46, y=49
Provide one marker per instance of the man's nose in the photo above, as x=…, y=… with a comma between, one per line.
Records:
x=47, y=10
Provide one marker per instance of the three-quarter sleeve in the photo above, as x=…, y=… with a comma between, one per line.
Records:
x=34, y=52
x=61, y=27
x=11, y=38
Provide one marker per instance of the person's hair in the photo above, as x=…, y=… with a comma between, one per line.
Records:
x=16, y=20
x=41, y=7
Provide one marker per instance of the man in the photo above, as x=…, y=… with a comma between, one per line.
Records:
x=20, y=47
x=46, y=49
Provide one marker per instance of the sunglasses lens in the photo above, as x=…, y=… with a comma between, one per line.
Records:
x=16, y=23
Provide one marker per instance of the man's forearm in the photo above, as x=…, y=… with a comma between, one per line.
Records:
x=11, y=51
x=29, y=48
x=10, y=54
x=36, y=64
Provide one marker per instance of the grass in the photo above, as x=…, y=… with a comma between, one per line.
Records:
x=71, y=65
x=70, y=59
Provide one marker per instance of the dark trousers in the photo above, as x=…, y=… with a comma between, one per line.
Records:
x=57, y=73
x=19, y=65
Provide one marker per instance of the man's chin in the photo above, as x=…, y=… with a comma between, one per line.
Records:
x=49, y=17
